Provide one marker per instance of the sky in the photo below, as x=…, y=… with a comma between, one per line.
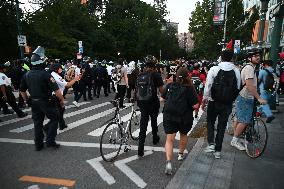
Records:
x=180, y=11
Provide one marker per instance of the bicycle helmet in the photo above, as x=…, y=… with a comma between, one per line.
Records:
x=253, y=51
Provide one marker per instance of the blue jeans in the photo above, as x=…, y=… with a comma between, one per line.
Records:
x=265, y=108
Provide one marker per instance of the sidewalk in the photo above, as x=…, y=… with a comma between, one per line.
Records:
x=235, y=170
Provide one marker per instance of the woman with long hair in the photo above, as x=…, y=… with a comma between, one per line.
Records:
x=180, y=101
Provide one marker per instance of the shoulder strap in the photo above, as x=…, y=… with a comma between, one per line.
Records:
x=268, y=72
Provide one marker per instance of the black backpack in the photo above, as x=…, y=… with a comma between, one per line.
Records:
x=176, y=101
x=269, y=81
x=145, y=87
x=225, y=88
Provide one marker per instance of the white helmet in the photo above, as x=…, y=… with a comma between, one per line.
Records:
x=38, y=56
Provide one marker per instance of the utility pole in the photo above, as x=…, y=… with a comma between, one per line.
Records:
x=19, y=27
x=225, y=24
x=276, y=33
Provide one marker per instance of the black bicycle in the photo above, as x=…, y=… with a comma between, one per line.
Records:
x=256, y=135
x=116, y=133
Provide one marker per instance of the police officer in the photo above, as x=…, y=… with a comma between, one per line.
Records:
x=6, y=94
x=62, y=84
x=101, y=78
x=41, y=85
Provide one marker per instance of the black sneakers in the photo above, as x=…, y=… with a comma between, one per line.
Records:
x=8, y=111
x=156, y=140
x=22, y=115
x=39, y=147
x=270, y=119
x=61, y=127
x=53, y=145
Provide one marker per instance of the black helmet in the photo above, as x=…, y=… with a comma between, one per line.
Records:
x=253, y=51
x=150, y=61
x=55, y=67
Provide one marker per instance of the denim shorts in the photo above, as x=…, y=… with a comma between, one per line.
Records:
x=244, y=109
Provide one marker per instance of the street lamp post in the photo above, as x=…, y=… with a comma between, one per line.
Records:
x=19, y=27
x=225, y=24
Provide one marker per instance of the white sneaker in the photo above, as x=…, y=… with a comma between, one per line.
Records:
x=217, y=155
x=238, y=145
x=76, y=104
x=180, y=156
x=169, y=169
x=210, y=148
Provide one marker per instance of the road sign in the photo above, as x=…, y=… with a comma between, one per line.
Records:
x=81, y=50
x=237, y=46
x=22, y=41
x=80, y=43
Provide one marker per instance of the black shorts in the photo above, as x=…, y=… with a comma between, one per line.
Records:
x=171, y=126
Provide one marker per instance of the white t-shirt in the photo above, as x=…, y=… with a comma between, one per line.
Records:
x=109, y=69
x=4, y=80
x=60, y=81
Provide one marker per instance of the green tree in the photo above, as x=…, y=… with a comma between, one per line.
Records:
x=8, y=33
x=135, y=27
x=161, y=7
x=58, y=25
x=235, y=18
x=206, y=36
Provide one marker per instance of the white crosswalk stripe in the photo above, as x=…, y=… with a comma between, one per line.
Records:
x=71, y=114
x=30, y=116
x=79, y=112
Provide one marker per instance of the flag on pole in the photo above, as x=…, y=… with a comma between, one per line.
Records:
x=230, y=45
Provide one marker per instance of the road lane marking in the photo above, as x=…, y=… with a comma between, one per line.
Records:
x=87, y=145
x=121, y=164
x=52, y=181
x=89, y=119
x=80, y=111
x=30, y=116
x=95, y=163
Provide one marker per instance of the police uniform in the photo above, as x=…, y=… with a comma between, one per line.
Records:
x=40, y=85
x=61, y=85
x=11, y=100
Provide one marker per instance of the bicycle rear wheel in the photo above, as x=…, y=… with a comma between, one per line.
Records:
x=256, y=138
x=134, y=124
x=111, y=141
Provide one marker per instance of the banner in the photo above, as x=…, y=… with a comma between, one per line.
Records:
x=219, y=12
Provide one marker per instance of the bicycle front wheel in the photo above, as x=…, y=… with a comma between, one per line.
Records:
x=111, y=141
x=256, y=138
x=134, y=125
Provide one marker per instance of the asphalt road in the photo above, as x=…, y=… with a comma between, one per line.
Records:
x=77, y=164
